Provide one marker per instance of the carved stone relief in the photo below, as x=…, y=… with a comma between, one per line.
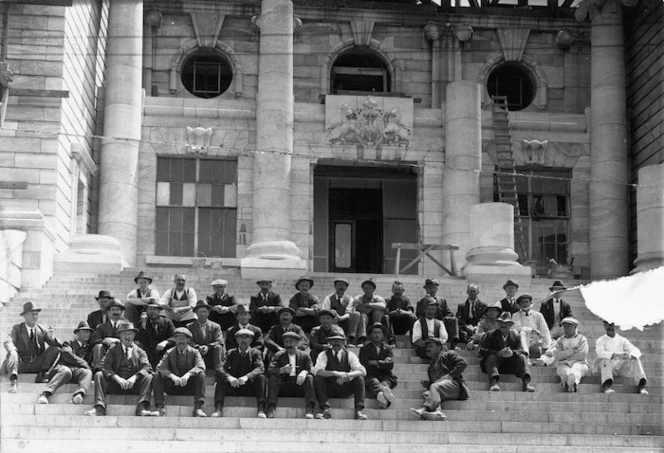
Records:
x=533, y=151
x=198, y=139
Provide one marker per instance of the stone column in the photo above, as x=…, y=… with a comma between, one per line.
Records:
x=609, y=254
x=463, y=160
x=118, y=190
x=492, y=258
x=271, y=250
x=650, y=218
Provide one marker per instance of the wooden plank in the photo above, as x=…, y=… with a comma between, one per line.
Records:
x=420, y=247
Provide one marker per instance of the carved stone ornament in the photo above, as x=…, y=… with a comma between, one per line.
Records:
x=153, y=18
x=369, y=126
x=434, y=31
x=567, y=38
x=256, y=24
x=198, y=139
x=588, y=9
x=533, y=151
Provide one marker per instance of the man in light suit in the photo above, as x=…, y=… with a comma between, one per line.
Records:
x=181, y=371
x=290, y=375
x=207, y=336
x=27, y=350
x=125, y=370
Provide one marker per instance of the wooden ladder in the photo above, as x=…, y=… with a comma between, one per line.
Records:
x=506, y=175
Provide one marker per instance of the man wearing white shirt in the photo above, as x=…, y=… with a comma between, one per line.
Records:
x=617, y=356
x=339, y=373
x=571, y=353
x=179, y=302
x=428, y=327
x=532, y=327
x=342, y=303
x=138, y=299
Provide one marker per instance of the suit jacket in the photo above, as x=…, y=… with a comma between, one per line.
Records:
x=451, y=364
x=19, y=338
x=494, y=342
x=84, y=351
x=115, y=360
x=273, y=300
x=385, y=358
x=302, y=362
x=69, y=358
x=442, y=312
x=227, y=300
x=256, y=343
x=548, y=312
x=149, y=338
x=105, y=330
x=464, y=309
x=234, y=365
x=212, y=337
x=169, y=363
x=95, y=318
x=508, y=306
x=274, y=339
x=395, y=303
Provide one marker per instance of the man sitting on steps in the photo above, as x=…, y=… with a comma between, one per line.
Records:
x=617, y=356
x=377, y=359
x=426, y=327
x=571, y=355
x=106, y=334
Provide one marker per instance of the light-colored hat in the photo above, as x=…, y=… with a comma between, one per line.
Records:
x=219, y=282
x=241, y=332
x=505, y=317
x=182, y=331
x=570, y=320
x=290, y=335
x=497, y=305
x=126, y=327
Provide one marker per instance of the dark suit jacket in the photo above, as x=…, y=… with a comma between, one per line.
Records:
x=451, y=364
x=548, y=312
x=256, y=343
x=104, y=331
x=302, y=362
x=227, y=300
x=395, y=303
x=115, y=359
x=463, y=312
x=274, y=339
x=95, y=318
x=213, y=337
x=233, y=365
x=149, y=339
x=494, y=342
x=508, y=307
x=443, y=309
x=19, y=338
x=273, y=300
x=84, y=351
x=385, y=358
x=168, y=363
x=69, y=359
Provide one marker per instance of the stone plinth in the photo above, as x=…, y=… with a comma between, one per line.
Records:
x=492, y=257
x=91, y=253
x=463, y=161
x=650, y=218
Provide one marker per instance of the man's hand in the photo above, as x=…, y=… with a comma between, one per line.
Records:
x=243, y=380
x=426, y=384
x=300, y=378
x=373, y=362
x=131, y=381
x=234, y=382
x=162, y=345
x=121, y=382
x=536, y=332
x=184, y=379
x=286, y=369
x=217, y=308
x=263, y=309
x=203, y=349
x=176, y=380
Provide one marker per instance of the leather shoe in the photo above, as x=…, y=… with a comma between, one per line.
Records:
x=528, y=388
x=271, y=412
x=436, y=416
x=218, y=413
x=382, y=401
x=494, y=388
x=13, y=387
x=42, y=399
x=199, y=413
x=417, y=412
x=325, y=415
x=77, y=399
x=40, y=379
x=96, y=411
x=389, y=396
x=261, y=414
x=159, y=412
x=142, y=412
x=359, y=415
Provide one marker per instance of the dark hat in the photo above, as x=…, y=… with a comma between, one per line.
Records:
x=182, y=331
x=523, y=297
x=341, y=280
x=497, y=305
x=244, y=332
x=264, y=280
x=241, y=309
x=83, y=325
x=29, y=307
x=368, y=282
x=104, y=294
x=115, y=303
x=288, y=309
x=557, y=283
x=438, y=341
x=126, y=327
x=430, y=301
x=511, y=282
x=337, y=336
x=201, y=304
x=332, y=313
x=377, y=325
x=291, y=335
x=431, y=282
x=154, y=305
x=505, y=317
x=142, y=274
x=303, y=279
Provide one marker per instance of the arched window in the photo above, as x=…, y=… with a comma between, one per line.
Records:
x=206, y=73
x=359, y=70
x=515, y=82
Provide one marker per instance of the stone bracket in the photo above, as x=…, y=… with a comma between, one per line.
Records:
x=198, y=140
x=513, y=42
x=362, y=31
x=207, y=27
x=533, y=151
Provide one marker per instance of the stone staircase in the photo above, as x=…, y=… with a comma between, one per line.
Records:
x=507, y=421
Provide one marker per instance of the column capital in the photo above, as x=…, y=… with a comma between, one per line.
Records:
x=566, y=38
x=153, y=18
x=589, y=9
x=434, y=31
x=256, y=24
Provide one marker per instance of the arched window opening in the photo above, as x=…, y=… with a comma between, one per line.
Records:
x=359, y=70
x=206, y=73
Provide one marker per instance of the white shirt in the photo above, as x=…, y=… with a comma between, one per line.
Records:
x=562, y=350
x=606, y=346
x=129, y=350
x=291, y=361
x=133, y=296
x=533, y=320
x=169, y=299
x=353, y=361
x=417, y=330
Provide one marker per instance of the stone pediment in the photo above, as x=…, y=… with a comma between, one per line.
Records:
x=367, y=121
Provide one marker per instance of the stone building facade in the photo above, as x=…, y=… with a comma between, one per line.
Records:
x=310, y=136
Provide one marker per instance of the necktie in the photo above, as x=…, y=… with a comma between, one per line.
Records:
x=265, y=298
x=126, y=350
x=32, y=334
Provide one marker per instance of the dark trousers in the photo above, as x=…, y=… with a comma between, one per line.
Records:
x=373, y=384
x=401, y=324
x=287, y=386
x=264, y=320
x=306, y=322
x=65, y=375
x=133, y=312
x=41, y=363
x=195, y=386
x=256, y=388
x=103, y=386
x=213, y=357
x=452, y=327
x=518, y=365
x=328, y=387
x=98, y=352
x=421, y=352
x=465, y=332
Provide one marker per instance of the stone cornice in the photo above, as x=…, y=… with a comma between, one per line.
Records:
x=588, y=9
x=82, y=157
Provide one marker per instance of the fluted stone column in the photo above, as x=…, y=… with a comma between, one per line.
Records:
x=609, y=254
x=492, y=257
x=118, y=189
x=271, y=250
x=650, y=218
x=463, y=160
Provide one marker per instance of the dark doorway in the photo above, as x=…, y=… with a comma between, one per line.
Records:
x=356, y=227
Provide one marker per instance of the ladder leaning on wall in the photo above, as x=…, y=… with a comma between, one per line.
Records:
x=506, y=172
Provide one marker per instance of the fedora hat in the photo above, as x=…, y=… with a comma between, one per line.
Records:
x=368, y=282
x=29, y=307
x=264, y=280
x=182, y=331
x=142, y=274
x=115, y=303
x=154, y=304
x=438, y=341
x=303, y=279
x=83, y=325
x=511, y=282
x=505, y=317
x=126, y=327
x=523, y=297
x=104, y=294
x=241, y=309
x=377, y=325
x=558, y=284
x=201, y=304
